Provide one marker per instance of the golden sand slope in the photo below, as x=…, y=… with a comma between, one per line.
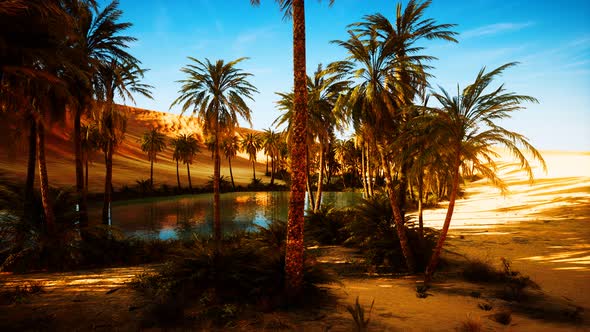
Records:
x=129, y=163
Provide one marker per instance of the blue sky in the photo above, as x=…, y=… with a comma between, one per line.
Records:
x=550, y=39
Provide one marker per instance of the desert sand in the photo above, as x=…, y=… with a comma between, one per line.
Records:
x=129, y=162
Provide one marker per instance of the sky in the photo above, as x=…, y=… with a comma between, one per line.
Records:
x=550, y=39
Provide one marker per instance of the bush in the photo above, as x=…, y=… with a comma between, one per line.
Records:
x=481, y=271
x=246, y=270
x=471, y=325
x=373, y=229
x=326, y=226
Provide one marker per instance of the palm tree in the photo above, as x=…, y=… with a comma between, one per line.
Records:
x=121, y=79
x=270, y=144
x=215, y=93
x=250, y=144
x=230, y=146
x=190, y=147
x=467, y=131
x=176, y=144
x=33, y=57
x=97, y=40
x=152, y=142
x=90, y=142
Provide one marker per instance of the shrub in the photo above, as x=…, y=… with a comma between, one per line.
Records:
x=471, y=325
x=358, y=315
x=326, y=226
x=372, y=229
x=477, y=270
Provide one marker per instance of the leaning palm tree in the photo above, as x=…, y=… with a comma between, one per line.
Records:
x=216, y=93
x=250, y=144
x=152, y=142
x=230, y=146
x=467, y=131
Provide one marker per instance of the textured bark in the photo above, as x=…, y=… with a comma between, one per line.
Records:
x=403, y=187
x=318, y=197
x=177, y=175
x=81, y=190
x=399, y=222
x=108, y=185
x=272, y=171
x=216, y=177
x=231, y=174
x=294, y=252
x=188, y=172
x=31, y=163
x=443, y=234
x=43, y=179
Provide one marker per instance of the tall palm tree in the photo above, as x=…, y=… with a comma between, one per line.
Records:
x=97, y=39
x=176, y=144
x=152, y=142
x=250, y=144
x=121, y=79
x=216, y=92
x=33, y=58
x=467, y=130
x=230, y=146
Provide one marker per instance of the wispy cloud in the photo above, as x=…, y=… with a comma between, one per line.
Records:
x=494, y=29
x=248, y=38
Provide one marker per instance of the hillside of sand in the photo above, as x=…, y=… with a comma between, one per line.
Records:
x=130, y=164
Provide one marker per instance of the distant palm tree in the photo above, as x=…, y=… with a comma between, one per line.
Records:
x=190, y=147
x=176, y=144
x=152, y=142
x=230, y=146
x=215, y=93
x=270, y=144
x=466, y=130
x=250, y=144
x=90, y=142
x=121, y=79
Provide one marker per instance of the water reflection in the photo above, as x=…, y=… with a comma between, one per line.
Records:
x=181, y=216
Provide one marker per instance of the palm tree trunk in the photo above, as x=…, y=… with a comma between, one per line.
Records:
x=318, y=197
x=266, y=165
x=272, y=171
x=443, y=234
x=216, y=178
x=231, y=174
x=420, y=207
x=43, y=179
x=177, y=175
x=294, y=248
x=108, y=185
x=253, y=170
x=80, y=189
x=308, y=181
x=31, y=163
x=403, y=187
x=188, y=172
x=363, y=171
x=399, y=222
x=86, y=173
x=152, y=173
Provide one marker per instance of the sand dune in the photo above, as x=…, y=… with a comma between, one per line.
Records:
x=129, y=163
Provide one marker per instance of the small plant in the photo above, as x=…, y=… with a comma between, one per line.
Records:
x=485, y=306
x=503, y=317
x=516, y=283
x=422, y=291
x=481, y=271
x=471, y=325
x=358, y=315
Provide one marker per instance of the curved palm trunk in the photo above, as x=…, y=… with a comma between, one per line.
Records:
x=31, y=163
x=43, y=179
x=399, y=221
x=443, y=234
x=188, y=172
x=108, y=185
x=81, y=190
x=231, y=174
x=177, y=175
x=420, y=207
x=364, y=172
x=318, y=197
x=294, y=250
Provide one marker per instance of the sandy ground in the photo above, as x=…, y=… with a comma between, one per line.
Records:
x=129, y=162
